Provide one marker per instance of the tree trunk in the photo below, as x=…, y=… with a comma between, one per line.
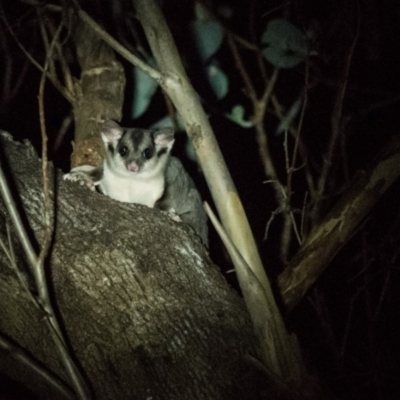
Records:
x=98, y=94
x=147, y=314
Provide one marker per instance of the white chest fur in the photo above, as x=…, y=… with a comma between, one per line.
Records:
x=133, y=188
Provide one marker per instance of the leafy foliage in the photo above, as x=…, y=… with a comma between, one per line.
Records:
x=237, y=116
x=208, y=35
x=145, y=87
x=285, y=46
x=217, y=80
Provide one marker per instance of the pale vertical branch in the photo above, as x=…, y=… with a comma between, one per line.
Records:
x=175, y=82
x=45, y=38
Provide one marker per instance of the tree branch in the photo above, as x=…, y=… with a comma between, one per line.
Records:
x=176, y=83
x=334, y=232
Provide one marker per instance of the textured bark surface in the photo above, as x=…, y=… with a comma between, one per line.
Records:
x=99, y=94
x=146, y=312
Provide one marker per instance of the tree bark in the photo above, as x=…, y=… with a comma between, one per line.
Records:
x=98, y=94
x=146, y=312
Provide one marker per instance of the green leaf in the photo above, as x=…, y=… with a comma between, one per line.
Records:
x=208, y=35
x=189, y=150
x=285, y=46
x=237, y=116
x=167, y=122
x=144, y=89
x=218, y=80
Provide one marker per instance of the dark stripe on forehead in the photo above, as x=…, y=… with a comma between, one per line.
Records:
x=162, y=151
x=110, y=148
x=137, y=137
x=132, y=138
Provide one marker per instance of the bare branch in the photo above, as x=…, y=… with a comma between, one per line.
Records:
x=339, y=225
x=186, y=100
x=25, y=359
x=256, y=301
x=51, y=77
x=115, y=45
x=336, y=123
x=39, y=271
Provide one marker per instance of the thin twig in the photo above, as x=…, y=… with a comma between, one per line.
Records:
x=259, y=109
x=298, y=133
x=270, y=220
x=76, y=377
x=336, y=124
x=22, y=357
x=385, y=288
x=255, y=40
x=46, y=43
x=278, y=112
x=16, y=219
x=303, y=217
x=10, y=254
x=250, y=90
x=270, y=86
x=51, y=77
x=45, y=176
x=68, y=80
x=116, y=46
x=290, y=168
x=60, y=135
x=36, y=3
x=348, y=324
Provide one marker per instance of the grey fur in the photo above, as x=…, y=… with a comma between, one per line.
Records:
x=181, y=195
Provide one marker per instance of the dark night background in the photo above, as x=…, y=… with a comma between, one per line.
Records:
x=348, y=322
